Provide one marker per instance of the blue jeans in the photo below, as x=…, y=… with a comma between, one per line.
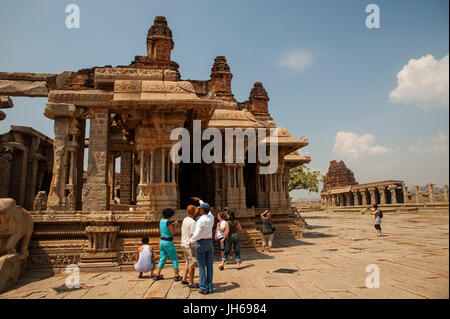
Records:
x=235, y=241
x=205, y=259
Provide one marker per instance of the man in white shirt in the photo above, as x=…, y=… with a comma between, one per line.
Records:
x=204, y=247
x=187, y=230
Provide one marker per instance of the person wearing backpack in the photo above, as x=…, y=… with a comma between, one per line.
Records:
x=267, y=230
x=378, y=216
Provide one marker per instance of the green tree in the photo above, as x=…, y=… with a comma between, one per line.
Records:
x=302, y=177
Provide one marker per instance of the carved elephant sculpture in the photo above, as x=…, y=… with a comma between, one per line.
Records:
x=16, y=227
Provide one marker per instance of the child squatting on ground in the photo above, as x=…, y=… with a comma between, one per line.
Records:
x=146, y=258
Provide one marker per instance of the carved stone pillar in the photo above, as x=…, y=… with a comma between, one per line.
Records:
x=242, y=190
x=382, y=191
x=333, y=200
x=349, y=198
x=393, y=190
x=446, y=193
x=126, y=171
x=96, y=190
x=217, y=188
x=67, y=146
x=355, y=198
x=111, y=176
x=373, y=197
x=405, y=193
x=32, y=172
x=6, y=157
x=364, y=197
x=416, y=188
x=430, y=192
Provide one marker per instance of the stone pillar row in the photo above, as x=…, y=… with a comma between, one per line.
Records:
x=272, y=190
x=229, y=187
x=366, y=196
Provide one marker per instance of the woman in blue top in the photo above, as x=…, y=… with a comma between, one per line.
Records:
x=166, y=246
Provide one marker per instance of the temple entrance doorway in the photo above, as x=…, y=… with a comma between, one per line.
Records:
x=196, y=179
x=250, y=186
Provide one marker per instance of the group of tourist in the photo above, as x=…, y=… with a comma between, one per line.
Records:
x=197, y=244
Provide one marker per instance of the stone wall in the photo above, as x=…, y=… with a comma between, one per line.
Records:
x=5, y=171
x=26, y=158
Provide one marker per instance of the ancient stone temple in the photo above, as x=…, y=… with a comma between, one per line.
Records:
x=342, y=190
x=26, y=162
x=129, y=113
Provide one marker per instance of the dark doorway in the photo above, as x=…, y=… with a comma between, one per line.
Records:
x=196, y=179
x=250, y=184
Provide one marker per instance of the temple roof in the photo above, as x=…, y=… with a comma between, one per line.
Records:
x=222, y=118
x=294, y=159
x=285, y=140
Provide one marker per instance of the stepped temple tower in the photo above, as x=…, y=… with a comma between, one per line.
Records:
x=128, y=112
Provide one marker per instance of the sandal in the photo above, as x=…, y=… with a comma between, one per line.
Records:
x=184, y=282
x=194, y=286
x=221, y=268
x=158, y=277
x=177, y=278
x=203, y=292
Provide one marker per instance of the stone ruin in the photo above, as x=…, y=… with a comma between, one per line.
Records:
x=26, y=163
x=130, y=112
x=338, y=175
x=342, y=190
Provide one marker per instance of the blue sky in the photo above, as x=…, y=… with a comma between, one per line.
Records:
x=324, y=71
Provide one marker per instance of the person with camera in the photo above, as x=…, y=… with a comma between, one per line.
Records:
x=166, y=246
x=378, y=215
x=267, y=230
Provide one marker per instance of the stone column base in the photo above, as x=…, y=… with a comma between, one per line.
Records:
x=99, y=262
x=156, y=197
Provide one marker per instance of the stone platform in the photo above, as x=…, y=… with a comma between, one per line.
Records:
x=330, y=262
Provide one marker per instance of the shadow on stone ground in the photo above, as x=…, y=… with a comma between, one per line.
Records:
x=315, y=217
x=29, y=277
x=317, y=235
x=316, y=227
x=224, y=286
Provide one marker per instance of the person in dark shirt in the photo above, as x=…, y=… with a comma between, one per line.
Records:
x=267, y=230
x=232, y=239
x=378, y=215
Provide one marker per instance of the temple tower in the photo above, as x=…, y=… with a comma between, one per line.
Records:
x=221, y=79
x=159, y=40
x=259, y=101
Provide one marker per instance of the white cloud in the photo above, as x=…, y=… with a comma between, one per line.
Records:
x=423, y=82
x=433, y=144
x=349, y=145
x=296, y=59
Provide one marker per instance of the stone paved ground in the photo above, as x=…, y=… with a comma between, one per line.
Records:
x=412, y=256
